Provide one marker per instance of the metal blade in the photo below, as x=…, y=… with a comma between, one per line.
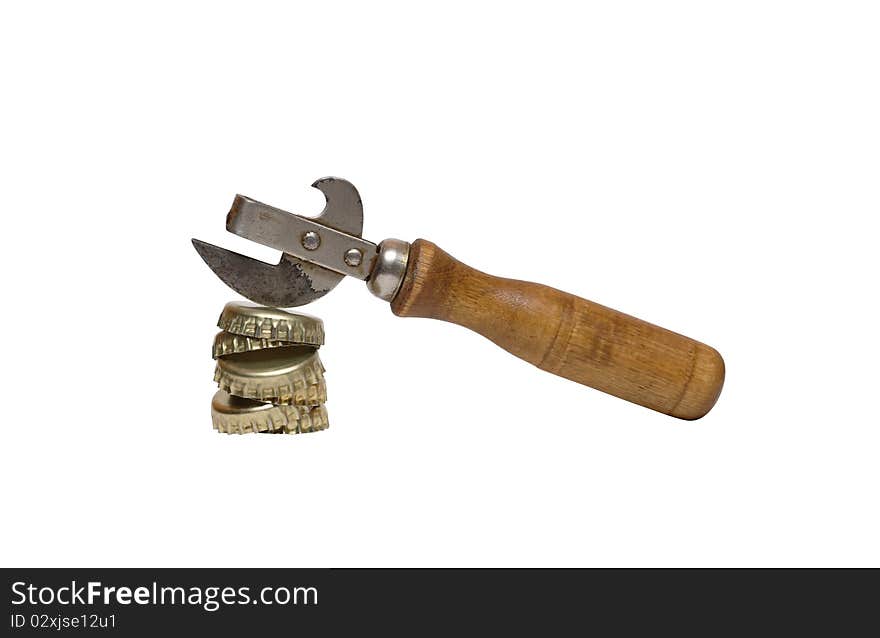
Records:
x=289, y=283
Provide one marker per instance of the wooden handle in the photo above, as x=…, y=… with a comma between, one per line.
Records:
x=566, y=335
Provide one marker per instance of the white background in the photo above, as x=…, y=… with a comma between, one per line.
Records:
x=710, y=167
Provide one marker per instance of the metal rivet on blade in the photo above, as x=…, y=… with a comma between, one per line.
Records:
x=353, y=257
x=311, y=240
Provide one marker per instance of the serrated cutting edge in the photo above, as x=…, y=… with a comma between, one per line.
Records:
x=235, y=415
x=226, y=343
x=289, y=376
x=263, y=322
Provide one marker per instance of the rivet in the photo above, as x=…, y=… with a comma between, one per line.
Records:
x=353, y=257
x=311, y=240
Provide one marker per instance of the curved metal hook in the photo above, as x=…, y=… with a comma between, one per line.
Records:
x=344, y=210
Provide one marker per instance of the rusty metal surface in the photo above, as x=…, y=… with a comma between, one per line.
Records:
x=286, y=284
x=294, y=281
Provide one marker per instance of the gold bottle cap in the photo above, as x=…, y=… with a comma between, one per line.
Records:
x=236, y=415
x=262, y=322
x=292, y=375
x=226, y=343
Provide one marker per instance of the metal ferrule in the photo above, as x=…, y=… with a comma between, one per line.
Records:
x=389, y=269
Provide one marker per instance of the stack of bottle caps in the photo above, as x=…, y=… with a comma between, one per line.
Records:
x=271, y=379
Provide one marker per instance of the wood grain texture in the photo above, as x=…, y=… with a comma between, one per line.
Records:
x=566, y=335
